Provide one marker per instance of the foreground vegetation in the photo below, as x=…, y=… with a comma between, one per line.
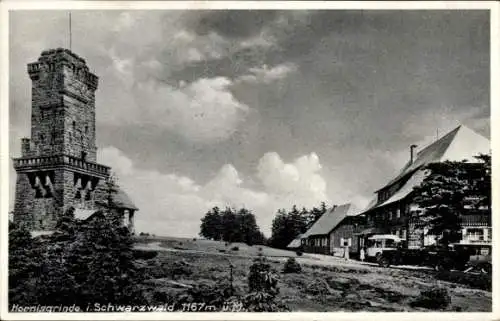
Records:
x=312, y=287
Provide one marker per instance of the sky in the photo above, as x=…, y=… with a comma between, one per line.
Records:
x=261, y=109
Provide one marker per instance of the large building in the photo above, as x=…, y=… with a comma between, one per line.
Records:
x=58, y=168
x=392, y=211
x=334, y=231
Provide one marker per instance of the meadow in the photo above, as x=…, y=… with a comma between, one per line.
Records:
x=324, y=284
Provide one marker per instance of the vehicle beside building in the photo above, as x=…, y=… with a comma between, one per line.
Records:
x=394, y=211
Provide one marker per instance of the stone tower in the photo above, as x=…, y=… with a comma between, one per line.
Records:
x=58, y=167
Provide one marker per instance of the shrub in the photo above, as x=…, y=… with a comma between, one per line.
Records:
x=292, y=266
x=299, y=252
x=235, y=248
x=263, y=288
x=434, y=299
x=80, y=263
x=318, y=287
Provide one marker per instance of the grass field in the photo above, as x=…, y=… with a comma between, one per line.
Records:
x=209, y=246
x=318, y=288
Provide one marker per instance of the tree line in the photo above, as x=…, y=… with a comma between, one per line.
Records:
x=239, y=225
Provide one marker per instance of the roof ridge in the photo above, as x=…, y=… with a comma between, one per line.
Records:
x=407, y=168
x=453, y=131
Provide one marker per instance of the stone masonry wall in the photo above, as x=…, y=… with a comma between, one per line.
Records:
x=62, y=122
x=63, y=106
x=36, y=213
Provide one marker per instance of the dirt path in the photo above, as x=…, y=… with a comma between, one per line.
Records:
x=308, y=259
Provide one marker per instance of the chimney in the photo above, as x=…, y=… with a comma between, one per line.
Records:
x=412, y=147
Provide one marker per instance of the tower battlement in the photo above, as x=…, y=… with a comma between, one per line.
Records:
x=65, y=61
x=58, y=167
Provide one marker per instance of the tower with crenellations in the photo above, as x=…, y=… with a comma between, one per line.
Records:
x=58, y=167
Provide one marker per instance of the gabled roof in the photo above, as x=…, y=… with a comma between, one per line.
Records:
x=83, y=214
x=296, y=242
x=328, y=221
x=459, y=144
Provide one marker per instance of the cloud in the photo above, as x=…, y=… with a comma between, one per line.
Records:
x=231, y=24
x=268, y=75
x=171, y=204
x=299, y=181
x=202, y=111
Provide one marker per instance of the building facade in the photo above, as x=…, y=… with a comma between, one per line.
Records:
x=58, y=168
x=334, y=231
x=393, y=211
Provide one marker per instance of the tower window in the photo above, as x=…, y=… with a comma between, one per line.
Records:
x=42, y=138
x=74, y=125
x=86, y=129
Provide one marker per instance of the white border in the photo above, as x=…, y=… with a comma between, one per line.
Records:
x=175, y=5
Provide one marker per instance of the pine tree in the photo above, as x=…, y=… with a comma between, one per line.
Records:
x=450, y=190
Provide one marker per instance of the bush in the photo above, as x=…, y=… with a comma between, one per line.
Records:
x=80, y=263
x=318, y=287
x=292, y=266
x=434, y=299
x=235, y=248
x=299, y=252
x=263, y=288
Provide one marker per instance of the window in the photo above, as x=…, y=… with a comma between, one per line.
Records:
x=475, y=234
x=42, y=138
x=398, y=212
x=389, y=243
x=403, y=234
x=86, y=129
x=74, y=125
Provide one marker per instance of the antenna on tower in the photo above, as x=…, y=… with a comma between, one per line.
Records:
x=70, y=35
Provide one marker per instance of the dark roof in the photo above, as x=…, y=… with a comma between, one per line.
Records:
x=122, y=200
x=328, y=221
x=432, y=153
